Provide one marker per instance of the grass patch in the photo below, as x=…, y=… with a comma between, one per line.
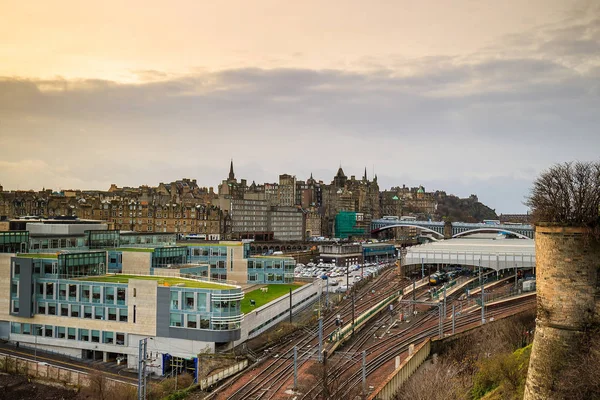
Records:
x=134, y=249
x=161, y=280
x=275, y=291
x=36, y=255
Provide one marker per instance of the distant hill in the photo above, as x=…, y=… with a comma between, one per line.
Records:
x=453, y=208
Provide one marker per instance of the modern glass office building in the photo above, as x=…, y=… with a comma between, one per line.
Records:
x=66, y=304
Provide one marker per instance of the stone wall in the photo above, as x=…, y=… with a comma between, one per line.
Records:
x=568, y=264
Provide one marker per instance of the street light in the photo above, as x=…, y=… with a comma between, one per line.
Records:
x=326, y=279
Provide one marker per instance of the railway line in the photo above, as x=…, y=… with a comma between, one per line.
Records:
x=385, y=351
x=275, y=371
x=274, y=374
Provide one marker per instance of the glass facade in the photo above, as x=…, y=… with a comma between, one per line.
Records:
x=163, y=256
x=103, y=239
x=206, y=309
x=147, y=239
x=71, y=265
x=69, y=333
x=271, y=270
x=52, y=244
x=14, y=242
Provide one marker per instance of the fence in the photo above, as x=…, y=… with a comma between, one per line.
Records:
x=211, y=380
x=387, y=389
x=67, y=376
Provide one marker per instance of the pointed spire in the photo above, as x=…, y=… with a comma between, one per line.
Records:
x=231, y=174
x=365, y=175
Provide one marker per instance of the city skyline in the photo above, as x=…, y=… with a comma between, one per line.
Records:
x=475, y=98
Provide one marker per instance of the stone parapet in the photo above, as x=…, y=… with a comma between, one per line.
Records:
x=568, y=268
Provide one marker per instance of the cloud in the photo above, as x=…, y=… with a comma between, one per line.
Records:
x=484, y=124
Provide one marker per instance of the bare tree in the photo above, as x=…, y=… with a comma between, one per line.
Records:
x=567, y=194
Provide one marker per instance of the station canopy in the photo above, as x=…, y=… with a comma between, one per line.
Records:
x=486, y=251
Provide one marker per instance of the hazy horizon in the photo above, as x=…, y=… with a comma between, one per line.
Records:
x=476, y=97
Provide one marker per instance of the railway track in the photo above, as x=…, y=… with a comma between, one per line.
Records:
x=274, y=372
x=381, y=353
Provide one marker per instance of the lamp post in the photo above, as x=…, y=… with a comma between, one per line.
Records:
x=326, y=279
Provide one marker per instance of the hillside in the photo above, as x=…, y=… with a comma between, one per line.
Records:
x=453, y=208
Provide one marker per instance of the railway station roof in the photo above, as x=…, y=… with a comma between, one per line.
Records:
x=485, y=250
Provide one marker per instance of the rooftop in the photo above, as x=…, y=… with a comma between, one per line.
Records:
x=162, y=281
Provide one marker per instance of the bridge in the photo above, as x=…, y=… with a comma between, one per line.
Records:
x=452, y=229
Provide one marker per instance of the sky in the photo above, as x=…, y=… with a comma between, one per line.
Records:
x=468, y=96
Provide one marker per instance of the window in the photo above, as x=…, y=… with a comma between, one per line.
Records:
x=75, y=310
x=41, y=308
x=64, y=310
x=71, y=334
x=85, y=293
x=50, y=290
x=95, y=336
x=121, y=296
x=109, y=295
x=99, y=313
x=62, y=291
x=189, y=300
x=60, y=332
x=48, y=331
x=120, y=339
x=122, y=314
x=174, y=300
x=112, y=314
x=204, y=323
x=51, y=308
x=95, y=294
x=176, y=319
x=15, y=306
x=87, y=312
x=134, y=292
x=108, y=337
x=84, y=335
x=16, y=270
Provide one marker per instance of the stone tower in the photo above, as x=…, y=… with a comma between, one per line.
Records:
x=568, y=303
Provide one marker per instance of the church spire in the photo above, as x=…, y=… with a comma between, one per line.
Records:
x=365, y=175
x=231, y=174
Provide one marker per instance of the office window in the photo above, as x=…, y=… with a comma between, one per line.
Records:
x=41, y=308
x=48, y=331
x=62, y=291
x=87, y=312
x=122, y=314
x=95, y=294
x=99, y=313
x=15, y=306
x=176, y=319
x=84, y=335
x=108, y=337
x=120, y=296
x=174, y=300
x=60, y=332
x=120, y=339
x=109, y=295
x=192, y=321
x=71, y=333
x=112, y=314
x=188, y=300
x=51, y=308
x=85, y=293
x=75, y=310
x=50, y=290
x=95, y=336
